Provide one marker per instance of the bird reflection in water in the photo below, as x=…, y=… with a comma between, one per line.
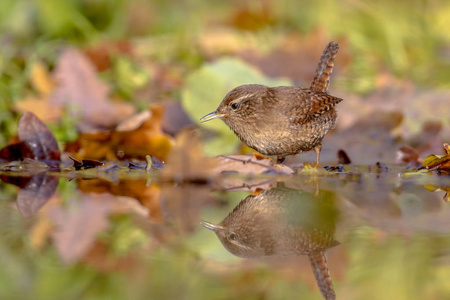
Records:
x=283, y=222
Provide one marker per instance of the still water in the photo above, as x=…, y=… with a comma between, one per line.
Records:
x=360, y=234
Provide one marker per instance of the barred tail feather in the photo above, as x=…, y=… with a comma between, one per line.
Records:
x=323, y=72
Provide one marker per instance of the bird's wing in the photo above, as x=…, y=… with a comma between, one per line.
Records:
x=308, y=109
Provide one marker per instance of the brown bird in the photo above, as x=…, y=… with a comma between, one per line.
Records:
x=283, y=120
x=283, y=222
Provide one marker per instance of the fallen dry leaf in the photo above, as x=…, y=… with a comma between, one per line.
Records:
x=85, y=164
x=41, y=80
x=175, y=118
x=438, y=163
x=136, y=137
x=343, y=157
x=186, y=161
x=407, y=155
x=146, y=139
x=369, y=140
x=36, y=141
x=38, y=137
x=81, y=92
x=16, y=151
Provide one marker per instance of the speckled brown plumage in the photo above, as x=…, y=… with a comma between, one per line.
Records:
x=283, y=120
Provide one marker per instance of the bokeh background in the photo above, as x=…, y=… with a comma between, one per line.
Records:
x=392, y=66
x=86, y=67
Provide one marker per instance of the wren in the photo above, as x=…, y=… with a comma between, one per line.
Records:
x=283, y=222
x=284, y=120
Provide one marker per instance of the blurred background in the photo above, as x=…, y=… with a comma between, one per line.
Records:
x=394, y=57
x=90, y=66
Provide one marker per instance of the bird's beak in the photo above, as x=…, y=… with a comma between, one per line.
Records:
x=213, y=115
x=211, y=226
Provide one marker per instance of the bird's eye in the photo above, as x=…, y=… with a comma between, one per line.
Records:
x=235, y=105
x=233, y=237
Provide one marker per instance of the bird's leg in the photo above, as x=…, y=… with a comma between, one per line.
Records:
x=280, y=159
x=318, y=149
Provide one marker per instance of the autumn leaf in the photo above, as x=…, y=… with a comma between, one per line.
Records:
x=85, y=164
x=186, y=161
x=36, y=141
x=39, y=138
x=438, y=163
x=144, y=137
x=38, y=103
x=135, y=137
x=81, y=92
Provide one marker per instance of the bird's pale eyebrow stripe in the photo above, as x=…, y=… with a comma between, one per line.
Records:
x=242, y=97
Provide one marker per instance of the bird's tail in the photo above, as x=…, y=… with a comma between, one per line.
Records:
x=320, y=268
x=323, y=72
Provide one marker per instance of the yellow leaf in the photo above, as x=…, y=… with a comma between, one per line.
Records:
x=40, y=79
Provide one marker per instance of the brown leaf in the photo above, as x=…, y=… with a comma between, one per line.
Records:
x=368, y=140
x=407, y=155
x=101, y=55
x=147, y=139
x=175, y=118
x=85, y=163
x=79, y=90
x=79, y=223
x=39, y=139
x=343, y=157
x=249, y=17
x=136, y=137
x=16, y=151
x=96, y=145
x=186, y=161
